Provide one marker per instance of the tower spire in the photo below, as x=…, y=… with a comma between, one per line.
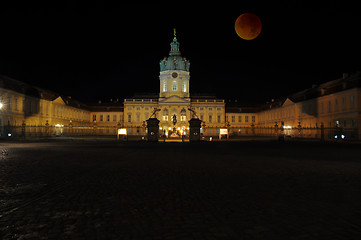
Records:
x=174, y=45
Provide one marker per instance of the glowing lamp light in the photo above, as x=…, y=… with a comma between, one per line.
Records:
x=122, y=131
x=1, y=105
x=335, y=136
x=59, y=125
x=223, y=131
x=343, y=136
x=287, y=127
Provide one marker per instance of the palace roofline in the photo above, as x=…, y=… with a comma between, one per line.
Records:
x=347, y=81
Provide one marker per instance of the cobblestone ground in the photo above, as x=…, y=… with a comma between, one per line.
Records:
x=137, y=190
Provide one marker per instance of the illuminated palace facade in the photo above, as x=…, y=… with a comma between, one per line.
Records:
x=174, y=99
x=36, y=111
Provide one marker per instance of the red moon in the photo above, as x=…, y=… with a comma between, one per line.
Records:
x=248, y=26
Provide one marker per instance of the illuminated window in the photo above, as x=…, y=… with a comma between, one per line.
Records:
x=174, y=87
x=253, y=118
x=233, y=118
x=239, y=118
x=184, y=87
x=183, y=114
x=164, y=86
x=129, y=117
x=165, y=114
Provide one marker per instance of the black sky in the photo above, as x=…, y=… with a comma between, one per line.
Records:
x=100, y=51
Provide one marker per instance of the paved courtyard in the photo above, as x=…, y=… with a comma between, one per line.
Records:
x=213, y=190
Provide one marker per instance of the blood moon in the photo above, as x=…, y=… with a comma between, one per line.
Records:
x=248, y=26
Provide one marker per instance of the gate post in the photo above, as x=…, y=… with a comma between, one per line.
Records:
x=194, y=130
x=153, y=129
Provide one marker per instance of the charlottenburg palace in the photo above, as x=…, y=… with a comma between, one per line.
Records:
x=32, y=111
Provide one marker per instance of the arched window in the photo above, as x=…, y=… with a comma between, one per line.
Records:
x=184, y=87
x=165, y=114
x=183, y=114
x=174, y=86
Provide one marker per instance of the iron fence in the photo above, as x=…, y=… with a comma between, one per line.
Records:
x=69, y=131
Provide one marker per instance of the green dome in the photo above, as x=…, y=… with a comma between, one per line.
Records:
x=174, y=61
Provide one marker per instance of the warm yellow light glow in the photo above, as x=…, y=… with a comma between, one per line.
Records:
x=287, y=127
x=122, y=131
x=178, y=128
x=169, y=128
x=59, y=125
x=223, y=131
x=160, y=128
x=1, y=105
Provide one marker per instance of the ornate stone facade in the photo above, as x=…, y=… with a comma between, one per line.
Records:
x=174, y=99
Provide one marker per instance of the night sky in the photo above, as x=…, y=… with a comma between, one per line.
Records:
x=97, y=51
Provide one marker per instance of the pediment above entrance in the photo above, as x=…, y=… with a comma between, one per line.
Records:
x=174, y=99
x=287, y=102
x=59, y=100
